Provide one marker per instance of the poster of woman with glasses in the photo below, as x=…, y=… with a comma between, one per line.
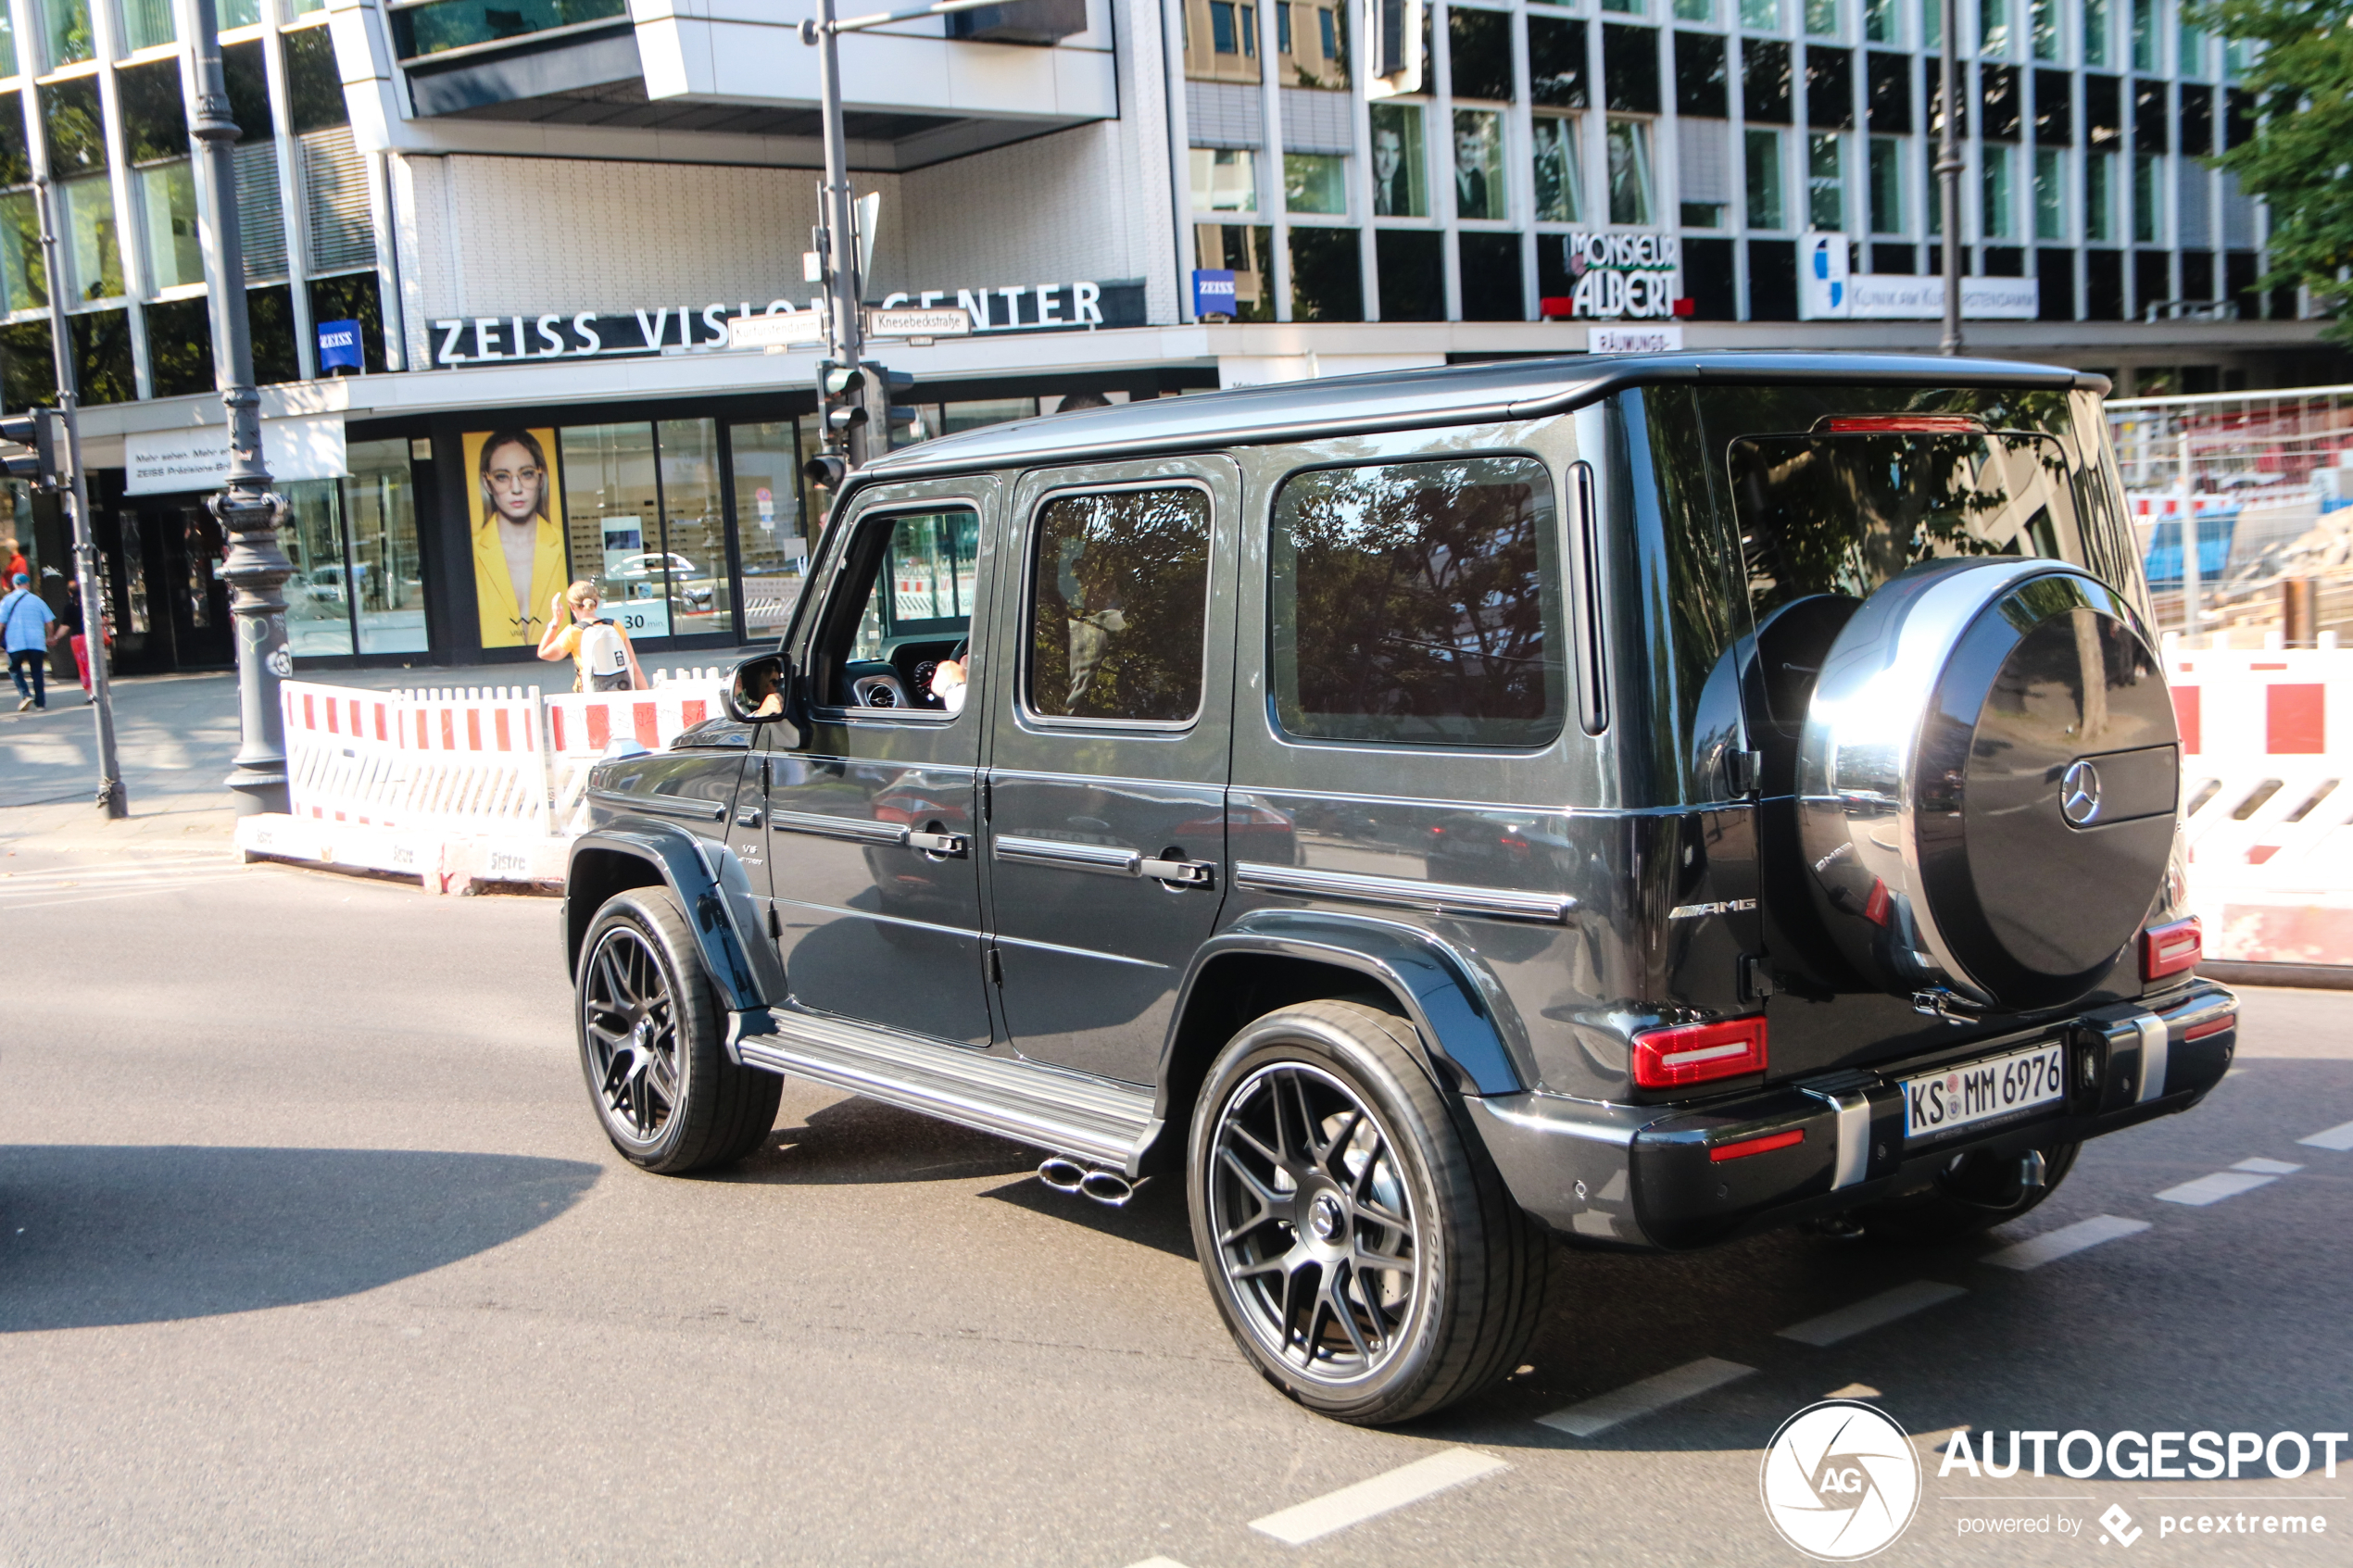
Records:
x=519, y=548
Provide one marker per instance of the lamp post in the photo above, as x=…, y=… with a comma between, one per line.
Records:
x=113, y=799
x=1948, y=176
x=256, y=567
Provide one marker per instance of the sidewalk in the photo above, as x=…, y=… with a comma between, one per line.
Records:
x=176, y=736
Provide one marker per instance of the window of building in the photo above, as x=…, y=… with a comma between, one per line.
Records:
x=2190, y=57
x=1994, y=27
x=1881, y=23
x=8, y=66
x=2148, y=199
x=1702, y=87
x=1701, y=11
x=1765, y=81
x=1627, y=7
x=1410, y=265
x=1480, y=44
x=1479, y=165
x=1997, y=188
x=1703, y=174
x=1767, y=210
x=2099, y=29
x=1887, y=93
x=2100, y=199
x=1247, y=250
x=2042, y=28
x=147, y=24
x=1315, y=183
x=2053, y=109
x=1419, y=604
x=1225, y=180
x=1400, y=176
x=319, y=594
x=1822, y=19
x=2050, y=193
x=1632, y=198
x=1560, y=181
x=1932, y=24
x=1830, y=88
x=65, y=26
x=1630, y=69
x=1761, y=15
x=612, y=521
x=1826, y=183
x=2146, y=38
x=1119, y=598
x=1556, y=63
x=235, y=13
x=24, y=278
x=91, y=247
x=357, y=584
x=1887, y=186
x=1326, y=274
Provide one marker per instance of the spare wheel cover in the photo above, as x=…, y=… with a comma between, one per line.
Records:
x=1987, y=781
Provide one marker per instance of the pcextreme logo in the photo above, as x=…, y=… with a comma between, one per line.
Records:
x=1840, y=1480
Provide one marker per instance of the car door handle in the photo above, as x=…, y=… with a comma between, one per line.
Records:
x=1179, y=874
x=953, y=843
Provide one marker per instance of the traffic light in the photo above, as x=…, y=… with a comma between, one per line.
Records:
x=824, y=472
x=841, y=400
x=884, y=416
x=36, y=463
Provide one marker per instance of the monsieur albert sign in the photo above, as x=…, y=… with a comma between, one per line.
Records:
x=668, y=329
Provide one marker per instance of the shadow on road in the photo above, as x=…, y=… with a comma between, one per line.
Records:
x=99, y=1237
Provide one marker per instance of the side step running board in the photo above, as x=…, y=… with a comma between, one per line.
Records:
x=1046, y=1107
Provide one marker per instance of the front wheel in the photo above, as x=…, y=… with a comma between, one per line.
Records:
x=1362, y=1248
x=650, y=1043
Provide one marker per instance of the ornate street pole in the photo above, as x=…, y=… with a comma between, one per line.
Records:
x=249, y=511
x=1948, y=177
x=113, y=799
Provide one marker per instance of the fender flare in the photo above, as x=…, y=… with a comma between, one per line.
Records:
x=711, y=886
x=1461, y=1015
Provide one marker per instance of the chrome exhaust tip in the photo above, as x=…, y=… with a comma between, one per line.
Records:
x=2034, y=1171
x=1062, y=1174
x=1109, y=1189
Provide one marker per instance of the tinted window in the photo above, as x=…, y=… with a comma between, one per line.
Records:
x=1419, y=604
x=1119, y=590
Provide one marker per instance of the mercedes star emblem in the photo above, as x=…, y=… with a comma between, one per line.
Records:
x=2080, y=794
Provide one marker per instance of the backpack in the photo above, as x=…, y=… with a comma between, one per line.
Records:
x=603, y=650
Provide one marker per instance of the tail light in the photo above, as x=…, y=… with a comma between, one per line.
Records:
x=1765, y=1144
x=2170, y=950
x=1898, y=424
x=1697, y=1053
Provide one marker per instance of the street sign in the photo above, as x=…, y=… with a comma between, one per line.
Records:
x=785, y=329
x=939, y=320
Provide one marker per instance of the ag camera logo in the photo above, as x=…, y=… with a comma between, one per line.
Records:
x=1839, y=1481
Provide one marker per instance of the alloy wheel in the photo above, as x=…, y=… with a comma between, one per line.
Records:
x=632, y=1030
x=1314, y=1223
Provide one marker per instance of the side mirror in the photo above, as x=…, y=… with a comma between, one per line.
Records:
x=756, y=692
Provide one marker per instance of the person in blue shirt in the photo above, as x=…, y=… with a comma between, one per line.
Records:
x=24, y=624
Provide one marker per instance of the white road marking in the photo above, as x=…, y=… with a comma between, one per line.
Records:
x=1865, y=1315
x=2268, y=1167
x=2338, y=1138
x=2051, y=1246
x=1157, y=1563
x=1620, y=1405
x=2214, y=1188
x=1367, y=1500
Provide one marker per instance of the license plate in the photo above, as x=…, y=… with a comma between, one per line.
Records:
x=1983, y=1091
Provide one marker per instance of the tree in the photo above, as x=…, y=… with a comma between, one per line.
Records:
x=2300, y=160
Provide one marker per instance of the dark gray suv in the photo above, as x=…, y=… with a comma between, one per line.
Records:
x=1640, y=801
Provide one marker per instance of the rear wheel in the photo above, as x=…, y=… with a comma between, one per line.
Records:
x=1362, y=1248
x=650, y=1043
x=1973, y=1193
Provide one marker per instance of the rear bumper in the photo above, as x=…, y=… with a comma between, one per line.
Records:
x=1656, y=1176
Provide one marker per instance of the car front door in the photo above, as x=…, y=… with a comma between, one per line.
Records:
x=870, y=818
x=1108, y=721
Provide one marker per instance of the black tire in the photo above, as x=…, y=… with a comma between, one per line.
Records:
x=1373, y=1346
x=1971, y=1196
x=652, y=1045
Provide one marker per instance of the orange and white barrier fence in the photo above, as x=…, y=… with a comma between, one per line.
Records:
x=456, y=786
x=2267, y=799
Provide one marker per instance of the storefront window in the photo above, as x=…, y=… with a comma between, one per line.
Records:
x=612, y=522
x=387, y=583
x=696, y=541
x=769, y=540
x=319, y=594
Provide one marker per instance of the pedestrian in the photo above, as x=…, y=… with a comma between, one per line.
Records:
x=601, y=650
x=24, y=624
x=68, y=630
x=17, y=562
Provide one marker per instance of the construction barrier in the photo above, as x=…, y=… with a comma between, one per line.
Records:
x=2267, y=743
x=460, y=787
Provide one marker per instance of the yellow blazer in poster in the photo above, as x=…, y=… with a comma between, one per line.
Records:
x=514, y=488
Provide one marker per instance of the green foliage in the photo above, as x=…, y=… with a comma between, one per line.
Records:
x=2301, y=158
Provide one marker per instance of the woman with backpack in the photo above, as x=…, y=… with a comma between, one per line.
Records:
x=601, y=650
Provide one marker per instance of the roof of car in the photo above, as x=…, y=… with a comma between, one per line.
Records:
x=1499, y=390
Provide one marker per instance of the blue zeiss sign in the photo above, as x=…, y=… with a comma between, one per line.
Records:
x=1212, y=293
x=339, y=346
